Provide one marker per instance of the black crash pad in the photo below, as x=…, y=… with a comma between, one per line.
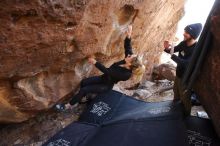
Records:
x=114, y=106
x=115, y=119
x=74, y=134
x=201, y=132
x=124, y=133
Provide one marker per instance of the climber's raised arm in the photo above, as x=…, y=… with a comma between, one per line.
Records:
x=127, y=42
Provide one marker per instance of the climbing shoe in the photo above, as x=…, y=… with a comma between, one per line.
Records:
x=60, y=107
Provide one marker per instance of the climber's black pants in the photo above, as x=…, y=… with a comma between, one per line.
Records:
x=96, y=84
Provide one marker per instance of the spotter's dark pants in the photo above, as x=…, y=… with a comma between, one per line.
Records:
x=179, y=94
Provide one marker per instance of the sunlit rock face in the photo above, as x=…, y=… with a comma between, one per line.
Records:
x=44, y=45
x=208, y=83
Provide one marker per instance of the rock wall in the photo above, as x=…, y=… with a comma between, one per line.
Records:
x=44, y=45
x=208, y=83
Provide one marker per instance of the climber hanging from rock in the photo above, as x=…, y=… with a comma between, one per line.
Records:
x=118, y=71
x=185, y=49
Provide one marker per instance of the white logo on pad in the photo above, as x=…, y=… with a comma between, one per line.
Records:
x=59, y=142
x=161, y=110
x=100, y=108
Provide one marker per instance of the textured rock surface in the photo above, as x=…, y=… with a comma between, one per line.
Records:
x=208, y=83
x=44, y=45
x=164, y=71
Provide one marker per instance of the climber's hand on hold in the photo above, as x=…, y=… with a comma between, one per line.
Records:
x=92, y=60
x=167, y=45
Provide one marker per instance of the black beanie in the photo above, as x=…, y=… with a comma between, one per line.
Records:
x=194, y=29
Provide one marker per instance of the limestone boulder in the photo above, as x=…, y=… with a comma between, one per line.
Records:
x=164, y=71
x=45, y=44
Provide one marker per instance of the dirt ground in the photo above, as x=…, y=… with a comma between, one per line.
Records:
x=36, y=131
